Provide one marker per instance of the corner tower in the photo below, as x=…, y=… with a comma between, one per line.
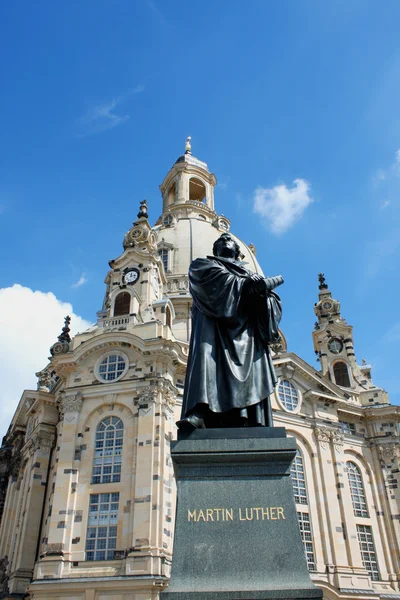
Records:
x=334, y=347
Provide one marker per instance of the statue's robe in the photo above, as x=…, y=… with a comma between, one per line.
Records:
x=229, y=367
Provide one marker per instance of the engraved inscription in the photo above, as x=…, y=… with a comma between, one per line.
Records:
x=257, y=513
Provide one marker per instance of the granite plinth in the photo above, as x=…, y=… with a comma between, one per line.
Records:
x=236, y=532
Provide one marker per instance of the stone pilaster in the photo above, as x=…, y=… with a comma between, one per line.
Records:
x=153, y=490
x=64, y=483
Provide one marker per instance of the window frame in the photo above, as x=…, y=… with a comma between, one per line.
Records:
x=302, y=499
x=307, y=543
x=102, y=458
x=102, y=358
x=341, y=362
x=357, y=490
x=109, y=522
x=368, y=555
x=281, y=381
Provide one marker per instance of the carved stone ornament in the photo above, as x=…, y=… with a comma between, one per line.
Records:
x=337, y=439
x=388, y=452
x=41, y=439
x=70, y=403
x=170, y=399
x=146, y=396
x=44, y=380
x=325, y=435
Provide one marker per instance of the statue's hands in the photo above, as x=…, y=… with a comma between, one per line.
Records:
x=256, y=284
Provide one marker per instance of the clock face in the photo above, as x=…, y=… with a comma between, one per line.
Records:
x=327, y=305
x=131, y=276
x=335, y=346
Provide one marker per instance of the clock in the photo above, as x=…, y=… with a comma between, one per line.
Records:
x=335, y=346
x=131, y=276
x=327, y=305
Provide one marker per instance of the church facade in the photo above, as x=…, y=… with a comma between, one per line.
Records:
x=87, y=493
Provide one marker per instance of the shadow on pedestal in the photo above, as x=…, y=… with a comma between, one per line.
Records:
x=236, y=532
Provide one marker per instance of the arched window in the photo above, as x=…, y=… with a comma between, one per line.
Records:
x=197, y=190
x=171, y=194
x=341, y=374
x=288, y=395
x=108, y=451
x=168, y=317
x=122, y=304
x=357, y=490
x=298, y=479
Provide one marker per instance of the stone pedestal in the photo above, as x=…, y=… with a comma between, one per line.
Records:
x=236, y=533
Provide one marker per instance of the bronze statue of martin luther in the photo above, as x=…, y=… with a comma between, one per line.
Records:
x=235, y=317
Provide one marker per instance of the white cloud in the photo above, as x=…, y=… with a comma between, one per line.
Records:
x=30, y=322
x=138, y=89
x=397, y=162
x=388, y=173
x=280, y=206
x=385, y=204
x=393, y=335
x=81, y=281
x=101, y=118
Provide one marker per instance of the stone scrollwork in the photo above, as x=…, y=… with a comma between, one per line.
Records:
x=170, y=399
x=326, y=435
x=387, y=452
x=43, y=440
x=337, y=438
x=146, y=396
x=70, y=403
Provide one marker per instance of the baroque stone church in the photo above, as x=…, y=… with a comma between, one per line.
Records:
x=87, y=493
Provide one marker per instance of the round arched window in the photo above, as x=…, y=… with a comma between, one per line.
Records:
x=112, y=366
x=122, y=304
x=288, y=395
x=341, y=374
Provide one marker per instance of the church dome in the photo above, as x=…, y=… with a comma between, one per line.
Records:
x=189, y=224
x=193, y=237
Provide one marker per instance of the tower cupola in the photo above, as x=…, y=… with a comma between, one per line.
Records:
x=188, y=181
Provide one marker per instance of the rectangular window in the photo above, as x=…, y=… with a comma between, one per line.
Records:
x=101, y=537
x=348, y=428
x=367, y=549
x=164, y=257
x=305, y=530
x=298, y=480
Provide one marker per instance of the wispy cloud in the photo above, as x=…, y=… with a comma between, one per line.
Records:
x=393, y=170
x=393, y=335
x=81, y=281
x=100, y=118
x=139, y=89
x=103, y=117
x=281, y=206
x=156, y=12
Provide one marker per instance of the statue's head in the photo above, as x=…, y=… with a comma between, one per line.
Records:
x=226, y=246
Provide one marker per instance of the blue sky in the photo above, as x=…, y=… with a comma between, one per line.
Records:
x=97, y=100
